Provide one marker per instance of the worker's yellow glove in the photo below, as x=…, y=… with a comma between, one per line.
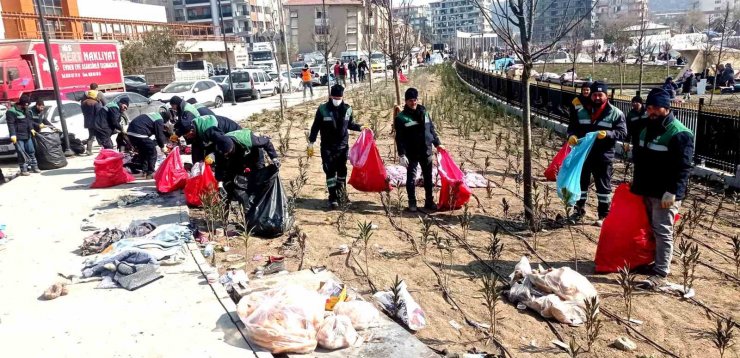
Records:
x=33, y=132
x=309, y=150
x=210, y=159
x=601, y=135
x=573, y=140
x=42, y=126
x=165, y=150
x=174, y=138
x=441, y=147
x=14, y=139
x=365, y=127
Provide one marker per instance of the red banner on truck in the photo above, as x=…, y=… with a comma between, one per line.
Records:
x=80, y=64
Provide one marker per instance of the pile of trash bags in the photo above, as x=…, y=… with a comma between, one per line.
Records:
x=49, y=152
x=555, y=293
x=265, y=204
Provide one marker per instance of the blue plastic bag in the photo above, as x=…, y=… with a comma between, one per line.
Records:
x=569, y=177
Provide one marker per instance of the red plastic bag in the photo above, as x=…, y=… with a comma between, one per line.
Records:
x=199, y=185
x=402, y=78
x=368, y=172
x=171, y=174
x=626, y=235
x=454, y=193
x=109, y=170
x=551, y=173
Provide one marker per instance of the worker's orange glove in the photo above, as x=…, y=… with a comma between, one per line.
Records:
x=601, y=135
x=174, y=138
x=573, y=140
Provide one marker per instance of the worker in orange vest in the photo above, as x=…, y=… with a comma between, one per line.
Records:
x=307, y=77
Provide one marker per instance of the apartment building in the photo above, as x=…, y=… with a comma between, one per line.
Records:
x=555, y=13
x=620, y=9
x=418, y=17
x=236, y=15
x=714, y=6
x=311, y=29
x=448, y=17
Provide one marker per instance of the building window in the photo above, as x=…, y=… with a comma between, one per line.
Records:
x=319, y=14
x=321, y=30
x=293, y=14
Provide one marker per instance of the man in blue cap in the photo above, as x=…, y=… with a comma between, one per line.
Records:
x=663, y=158
x=609, y=122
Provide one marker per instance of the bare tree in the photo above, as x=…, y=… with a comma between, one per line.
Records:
x=594, y=48
x=327, y=38
x=640, y=51
x=507, y=18
x=575, y=45
x=398, y=43
x=725, y=27
x=368, y=42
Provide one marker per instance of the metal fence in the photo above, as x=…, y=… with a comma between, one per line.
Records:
x=717, y=131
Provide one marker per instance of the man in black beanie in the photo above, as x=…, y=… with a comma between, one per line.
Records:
x=663, y=156
x=609, y=122
x=109, y=120
x=185, y=111
x=334, y=121
x=415, y=136
x=21, y=131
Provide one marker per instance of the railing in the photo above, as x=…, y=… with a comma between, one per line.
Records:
x=716, y=129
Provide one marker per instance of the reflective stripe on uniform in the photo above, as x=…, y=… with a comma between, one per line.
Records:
x=137, y=135
x=605, y=124
x=584, y=121
x=410, y=124
x=584, y=195
x=657, y=147
x=328, y=119
x=341, y=178
x=604, y=198
x=330, y=183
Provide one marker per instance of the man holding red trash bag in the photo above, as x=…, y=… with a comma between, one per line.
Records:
x=334, y=120
x=140, y=130
x=609, y=122
x=415, y=136
x=663, y=160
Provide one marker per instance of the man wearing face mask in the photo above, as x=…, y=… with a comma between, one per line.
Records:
x=663, y=157
x=238, y=154
x=415, y=136
x=334, y=121
x=609, y=122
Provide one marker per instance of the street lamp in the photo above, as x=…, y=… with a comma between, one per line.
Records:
x=226, y=49
x=53, y=71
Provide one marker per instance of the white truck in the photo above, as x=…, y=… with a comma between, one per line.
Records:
x=262, y=56
x=161, y=76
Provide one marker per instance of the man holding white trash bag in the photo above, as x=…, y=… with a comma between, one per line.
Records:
x=663, y=160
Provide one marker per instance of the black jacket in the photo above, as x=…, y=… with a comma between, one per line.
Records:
x=362, y=66
x=38, y=119
x=663, y=161
x=334, y=124
x=205, y=111
x=415, y=133
x=108, y=120
x=90, y=110
x=243, y=158
x=611, y=120
x=20, y=123
x=201, y=147
x=636, y=122
x=145, y=126
x=352, y=67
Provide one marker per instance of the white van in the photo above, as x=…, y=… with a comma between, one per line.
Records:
x=252, y=82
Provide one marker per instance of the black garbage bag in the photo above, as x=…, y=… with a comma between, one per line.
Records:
x=263, y=198
x=49, y=152
x=76, y=144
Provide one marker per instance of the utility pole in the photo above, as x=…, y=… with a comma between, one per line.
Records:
x=53, y=71
x=226, y=49
x=285, y=46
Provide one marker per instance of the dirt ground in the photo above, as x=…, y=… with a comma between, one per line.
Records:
x=484, y=140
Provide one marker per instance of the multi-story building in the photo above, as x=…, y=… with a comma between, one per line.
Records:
x=450, y=16
x=554, y=13
x=714, y=6
x=418, y=17
x=236, y=15
x=620, y=9
x=309, y=29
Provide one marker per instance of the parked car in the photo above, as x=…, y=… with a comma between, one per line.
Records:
x=287, y=82
x=206, y=92
x=136, y=87
x=222, y=81
x=138, y=104
x=252, y=82
x=67, y=94
x=137, y=78
x=319, y=75
x=72, y=115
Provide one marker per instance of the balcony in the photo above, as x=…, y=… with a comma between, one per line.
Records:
x=199, y=16
x=194, y=2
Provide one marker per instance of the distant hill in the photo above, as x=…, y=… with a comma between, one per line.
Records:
x=670, y=5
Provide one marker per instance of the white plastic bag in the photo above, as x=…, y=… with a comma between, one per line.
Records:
x=362, y=314
x=284, y=319
x=408, y=311
x=336, y=333
x=568, y=284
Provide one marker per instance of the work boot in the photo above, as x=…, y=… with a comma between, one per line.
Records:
x=25, y=173
x=599, y=223
x=148, y=176
x=430, y=206
x=88, y=150
x=578, y=213
x=36, y=170
x=333, y=205
x=654, y=283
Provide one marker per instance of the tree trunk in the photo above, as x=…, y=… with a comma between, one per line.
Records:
x=527, y=144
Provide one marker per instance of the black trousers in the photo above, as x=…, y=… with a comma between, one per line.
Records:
x=426, y=163
x=334, y=163
x=104, y=140
x=601, y=170
x=147, y=150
